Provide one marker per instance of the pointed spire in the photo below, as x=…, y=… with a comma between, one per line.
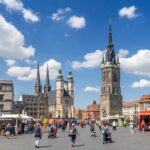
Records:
x=38, y=82
x=47, y=77
x=47, y=86
x=110, y=54
x=38, y=87
x=110, y=42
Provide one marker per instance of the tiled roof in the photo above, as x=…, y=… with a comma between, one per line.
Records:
x=145, y=98
x=131, y=104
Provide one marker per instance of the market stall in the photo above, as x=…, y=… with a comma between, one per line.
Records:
x=110, y=119
x=144, y=120
x=14, y=119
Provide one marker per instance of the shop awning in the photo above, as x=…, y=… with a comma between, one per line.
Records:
x=145, y=113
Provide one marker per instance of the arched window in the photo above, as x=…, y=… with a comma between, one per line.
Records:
x=104, y=90
x=115, y=77
x=104, y=75
x=108, y=75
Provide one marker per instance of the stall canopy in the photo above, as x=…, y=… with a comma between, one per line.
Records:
x=15, y=116
x=111, y=117
x=54, y=120
x=145, y=113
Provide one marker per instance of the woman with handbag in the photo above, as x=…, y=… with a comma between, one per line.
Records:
x=73, y=134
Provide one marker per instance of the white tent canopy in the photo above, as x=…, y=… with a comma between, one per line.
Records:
x=15, y=116
x=111, y=117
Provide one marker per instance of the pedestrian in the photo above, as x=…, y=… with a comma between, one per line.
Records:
x=37, y=135
x=92, y=129
x=125, y=123
x=100, y=126
x=8, y=130
x=114, y=124
x=63, y=127
x=132, y=126
x=143, y=125
x=73, y=134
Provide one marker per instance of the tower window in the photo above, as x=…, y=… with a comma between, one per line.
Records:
x=115, y=77
x=1, y=97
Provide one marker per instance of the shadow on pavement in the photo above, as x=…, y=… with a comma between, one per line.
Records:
x=45, y=146
x=79, y=145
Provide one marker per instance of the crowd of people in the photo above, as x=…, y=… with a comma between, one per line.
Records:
x=71, y=128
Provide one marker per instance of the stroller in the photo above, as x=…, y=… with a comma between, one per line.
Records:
x=52, y=133
x=93, y=134
x=106, y=135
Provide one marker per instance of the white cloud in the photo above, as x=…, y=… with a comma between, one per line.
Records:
x=28, y=73
x=10, y=62
x=138, y=63
x=60, y=14
x=129, y=12
x=123, y=53
x=92, y=89
x=29, y=15
x=30, y=62
x=12, y=42
x=92, y=60
x=76, y=22
x=141, y=84
x=17, y=5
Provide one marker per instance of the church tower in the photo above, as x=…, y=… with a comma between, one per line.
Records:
x=47, y=87
x=38, y=87
x=59, y=88
x=111, y=99
x=70, y=85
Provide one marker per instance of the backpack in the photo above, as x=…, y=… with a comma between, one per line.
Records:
x=72, y=132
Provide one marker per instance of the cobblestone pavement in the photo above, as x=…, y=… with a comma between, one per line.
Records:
x=123, y=140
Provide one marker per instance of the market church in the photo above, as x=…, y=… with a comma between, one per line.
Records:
x=58, y=103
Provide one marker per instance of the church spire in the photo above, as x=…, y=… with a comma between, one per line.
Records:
x=38, y=87
x=47, y=86
x=38, y=82
x=110, y=54
x=110, y=41
x=47, y=76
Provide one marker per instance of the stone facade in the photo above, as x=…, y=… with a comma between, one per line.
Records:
x=36, y=105
x=93, y=111
x=6, y=96
x=111, y=99
x=58, y=103
x=131, y=109
x=145, y=103
x=61, y=100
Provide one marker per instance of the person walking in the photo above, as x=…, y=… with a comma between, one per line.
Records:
x=73, y=134
x=114, y=124
x=132, y=126
x=37, y=135
x=63, y=127
x=100, y=126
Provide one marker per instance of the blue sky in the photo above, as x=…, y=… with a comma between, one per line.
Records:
x=73, y=35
